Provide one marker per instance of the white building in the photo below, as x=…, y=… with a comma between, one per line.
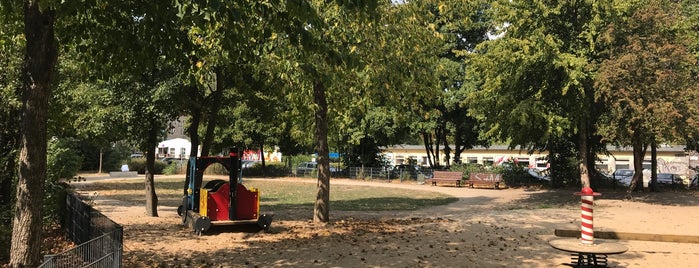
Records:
x=671, y=159
x=174, y=148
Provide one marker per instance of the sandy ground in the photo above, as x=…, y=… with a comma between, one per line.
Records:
x=485, y=228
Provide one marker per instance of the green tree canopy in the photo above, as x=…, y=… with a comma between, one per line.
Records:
x=648, y=79
x=534, y=79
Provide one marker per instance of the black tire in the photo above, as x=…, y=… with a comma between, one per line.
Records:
x=264, y=222
x=201, y=225
x=182, y=210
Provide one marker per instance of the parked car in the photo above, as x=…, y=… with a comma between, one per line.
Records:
x=539, y=174
x=623, y=176
x=669, y=179
x=247, y=163
x=306, y=168
x=169, y=160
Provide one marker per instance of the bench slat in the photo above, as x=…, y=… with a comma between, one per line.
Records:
x=484, y=179
x=446, y=176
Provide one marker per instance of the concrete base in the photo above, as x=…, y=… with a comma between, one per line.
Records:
x=123, y=174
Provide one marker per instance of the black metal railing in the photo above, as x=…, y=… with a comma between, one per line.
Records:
x=99, y=239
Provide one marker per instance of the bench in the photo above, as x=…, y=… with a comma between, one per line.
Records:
x=446, y=176
x=490, y=180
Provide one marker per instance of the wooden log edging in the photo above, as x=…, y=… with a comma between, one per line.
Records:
x=631, y=236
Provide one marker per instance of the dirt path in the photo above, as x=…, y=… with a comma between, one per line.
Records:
x=485, y=228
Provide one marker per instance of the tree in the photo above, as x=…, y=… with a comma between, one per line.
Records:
x=138, y=50
x=37, y=70
x=647, y=80
x=532, y=83
x=254, y=120
x=315, y=43
x=457, y=27
x=12, y=43
x=85, y=108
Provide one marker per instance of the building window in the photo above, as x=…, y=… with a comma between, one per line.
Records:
x=399, y=160
x=602, y=165
x=523, y=161
x=488, y=161
x=622, y=164
x=472, y=160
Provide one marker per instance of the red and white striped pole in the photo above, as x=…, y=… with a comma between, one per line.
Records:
x=587, y=234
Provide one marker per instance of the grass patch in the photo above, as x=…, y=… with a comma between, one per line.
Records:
x=282, y=195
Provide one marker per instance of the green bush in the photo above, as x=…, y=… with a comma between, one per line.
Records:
x=514, y=174
x=468, y=168
x=63, y=160
x=215, y=169
x=5, y=233
x=139, y=165
x=62, y=163
x=171, y=169
x=54, y=201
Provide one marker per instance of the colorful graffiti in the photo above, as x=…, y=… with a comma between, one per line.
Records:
x=674, y=166
x=254, y=155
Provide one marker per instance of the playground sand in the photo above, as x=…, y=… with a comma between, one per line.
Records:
x=485, y=228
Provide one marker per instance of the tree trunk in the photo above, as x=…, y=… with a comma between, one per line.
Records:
x=583, y=153
x=437, y=137
x=458, y=148
x=321, y=211
x=193, y=129
x=39, y=61
x=447, y=149
x=213, y=113
x=427, y=140
x=100, y=164
x=653, y=165
x=151, y=196
x=262, y=154
x=639, y=153
x=193, y=132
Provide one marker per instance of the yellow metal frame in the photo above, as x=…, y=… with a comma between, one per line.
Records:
x=203, y=202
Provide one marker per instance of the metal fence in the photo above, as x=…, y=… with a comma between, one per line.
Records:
x=382, y=173
x=369, y=173
x=99, y=239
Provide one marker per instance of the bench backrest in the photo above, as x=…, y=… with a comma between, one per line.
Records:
x=485, y=177
x=448, y=174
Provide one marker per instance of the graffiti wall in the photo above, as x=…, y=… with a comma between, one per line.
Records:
x=255, y=155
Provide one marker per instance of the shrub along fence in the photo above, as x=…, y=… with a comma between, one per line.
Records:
x=99, y=239
x=382, y=173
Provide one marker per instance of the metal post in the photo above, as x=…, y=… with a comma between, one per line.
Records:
x=587, y=203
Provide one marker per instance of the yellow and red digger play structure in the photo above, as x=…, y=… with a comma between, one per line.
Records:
x=219, y=202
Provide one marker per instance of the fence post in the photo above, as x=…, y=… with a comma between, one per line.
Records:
x=118, y=240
